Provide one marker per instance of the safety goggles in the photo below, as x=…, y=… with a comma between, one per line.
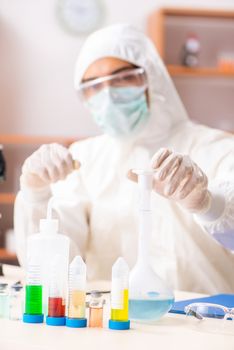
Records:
x=129, y=78
x=207, y=310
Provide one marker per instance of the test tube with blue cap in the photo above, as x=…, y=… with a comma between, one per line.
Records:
x=77, y=294
x=119, y=296
x=56, y=300
x=33, y=294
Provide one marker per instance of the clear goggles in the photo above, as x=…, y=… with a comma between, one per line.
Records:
x=128, y=78
x=207, y=310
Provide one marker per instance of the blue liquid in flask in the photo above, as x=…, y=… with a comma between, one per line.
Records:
x=150, y=308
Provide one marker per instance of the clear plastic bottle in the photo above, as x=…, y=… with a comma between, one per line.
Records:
x=77, y=294
x=96, y=309
x=150, y=298
x=49, y=244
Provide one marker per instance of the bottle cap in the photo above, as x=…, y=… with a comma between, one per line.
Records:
x=55, y=321
x=76, y=322
x=39, y=318
x=119, y=325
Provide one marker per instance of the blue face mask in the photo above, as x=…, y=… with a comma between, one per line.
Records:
x=119, y=111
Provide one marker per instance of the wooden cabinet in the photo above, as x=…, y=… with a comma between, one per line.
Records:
x=207, y=90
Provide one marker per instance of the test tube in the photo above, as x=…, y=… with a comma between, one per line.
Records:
x=77, y=295
x=119, y=296
x=56, y=300
x=96, y=309
x=33, y=293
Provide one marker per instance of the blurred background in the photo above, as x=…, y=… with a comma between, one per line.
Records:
x=39, y=43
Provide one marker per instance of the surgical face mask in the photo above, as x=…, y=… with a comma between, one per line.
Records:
x=119, y=111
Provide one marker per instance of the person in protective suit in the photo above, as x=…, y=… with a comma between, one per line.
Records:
x=128, y=91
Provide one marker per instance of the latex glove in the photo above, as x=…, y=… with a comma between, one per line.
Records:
x=178, y=178
x=47, y=165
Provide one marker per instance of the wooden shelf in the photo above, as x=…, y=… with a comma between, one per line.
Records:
x=7, y=257
x=7, y=198
x=9, y=139
x=175, y=70
x=197, y=12
x=157, y=20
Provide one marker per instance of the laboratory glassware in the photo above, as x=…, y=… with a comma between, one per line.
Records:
x=150, y=298
x=16, y=301
x=4, y=300
x=96, y=309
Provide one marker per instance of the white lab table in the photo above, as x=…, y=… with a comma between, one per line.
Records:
x=171, y=332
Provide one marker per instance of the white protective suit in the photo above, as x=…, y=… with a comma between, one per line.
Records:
x=98, y=206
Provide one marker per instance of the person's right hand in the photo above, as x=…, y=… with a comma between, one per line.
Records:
x=49, y=164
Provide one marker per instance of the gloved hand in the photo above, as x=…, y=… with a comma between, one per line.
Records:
x=47, y=165
x=178, y=178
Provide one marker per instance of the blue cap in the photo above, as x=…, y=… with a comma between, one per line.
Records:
x=76, y=322
x=37, y=318
x=119, y=325
x=55, y=321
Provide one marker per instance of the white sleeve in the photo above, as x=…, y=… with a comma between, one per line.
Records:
x=70, y=206
x=219, y=220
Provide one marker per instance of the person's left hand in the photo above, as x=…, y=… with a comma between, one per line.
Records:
x=178, y=178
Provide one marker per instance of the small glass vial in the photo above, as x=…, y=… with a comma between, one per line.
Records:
x=4, y=300
x=96, y=309
x=16, y=302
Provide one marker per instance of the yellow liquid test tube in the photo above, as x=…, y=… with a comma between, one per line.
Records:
x=119, y=296
x=121, y=314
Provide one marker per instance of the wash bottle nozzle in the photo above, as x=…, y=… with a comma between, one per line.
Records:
x=49, y=225
x=119, y=296
x=77, y=294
